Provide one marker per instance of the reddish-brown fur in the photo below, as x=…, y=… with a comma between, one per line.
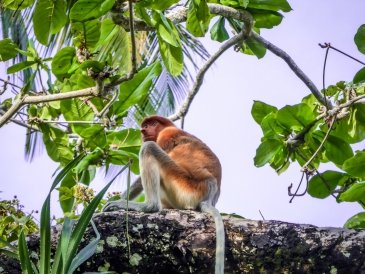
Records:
x=193, y=161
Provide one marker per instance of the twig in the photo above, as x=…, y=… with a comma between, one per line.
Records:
x=328, y=45
x=305, y=166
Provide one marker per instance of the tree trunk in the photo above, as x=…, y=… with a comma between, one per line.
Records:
x=178, y=241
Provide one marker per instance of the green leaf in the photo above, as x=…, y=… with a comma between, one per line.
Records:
x=168, y=32
x=359, y=76
x=274, y=5
x=63, y=62
x=252, y=46
x=16, y=4
x=24, y=254
x=157, y=4
x=94, y=136
x=218, y=32
x=67, y=183
x=48, y=18
x=90, y=159
x=8, y=49
x=360, y=39
x=198, y=18
x=57, y=144
x=82, y=224
x=172, y=57
x=84, y=10
x=271, y=128
x=266, y=19
x=260, y=110
x=321, y=185
x=356, y=192
x=135, y=90
x=295, y=117
x=235, y=3
x=84, y=254
x=86, y=33
x=45, y=235
x=267, y=151
x=337, y=150
x=20, y=66
x=355, y=166
x=76, y=110
x=124, y=138
x=356, y=221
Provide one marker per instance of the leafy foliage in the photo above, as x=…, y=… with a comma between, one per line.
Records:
x=13, y=221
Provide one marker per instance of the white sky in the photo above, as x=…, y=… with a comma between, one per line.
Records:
x=220, y=116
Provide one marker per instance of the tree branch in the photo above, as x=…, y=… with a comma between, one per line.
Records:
x=36, y=99
x=294, y=67
x=183, y=241
x=237, y=39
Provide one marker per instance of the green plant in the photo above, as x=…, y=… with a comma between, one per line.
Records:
x=67, y=257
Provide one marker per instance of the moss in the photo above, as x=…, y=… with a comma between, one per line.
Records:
x=135, y=259
x=104, y=268
x=100, y=247
x=112, y=241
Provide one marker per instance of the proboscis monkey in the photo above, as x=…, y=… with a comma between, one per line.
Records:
x=177, y=171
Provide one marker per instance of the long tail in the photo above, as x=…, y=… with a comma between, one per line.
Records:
x=220, y=236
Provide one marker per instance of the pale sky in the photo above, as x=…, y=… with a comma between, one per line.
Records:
x=220, y=116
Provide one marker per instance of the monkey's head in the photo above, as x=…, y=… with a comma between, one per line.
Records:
x=151, y=126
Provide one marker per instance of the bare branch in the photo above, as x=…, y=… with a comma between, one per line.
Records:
x=26, y=99
x=200, y=76
x=294, y=67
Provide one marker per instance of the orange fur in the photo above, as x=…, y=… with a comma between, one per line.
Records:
x=183, y=181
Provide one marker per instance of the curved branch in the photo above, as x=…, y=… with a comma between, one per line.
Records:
x=294, y=67
x=237, y=39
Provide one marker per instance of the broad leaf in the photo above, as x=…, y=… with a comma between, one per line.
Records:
x=356, y=221
x=274, y=5
x=359, y=76
x=198, y=18
x=355, y=166
x=94, y=136
x=20, y=66
x=172, y=57
x=167, y=31
x=360, y=39
x=321, y=186
x=48, y=18
x=16, y=4
x=57, y=144
x=295, y=117
x=337, y=150
x=63, y=62
x=84, y=10
x=157, y=4
x=356, y=192
x=135, y=90
x=87, y=33
x=260, y=110
x=266, y=19
x=267, y=151
x=8, y=49
x=218, y=32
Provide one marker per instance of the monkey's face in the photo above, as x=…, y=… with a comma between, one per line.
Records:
x=150, y=130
